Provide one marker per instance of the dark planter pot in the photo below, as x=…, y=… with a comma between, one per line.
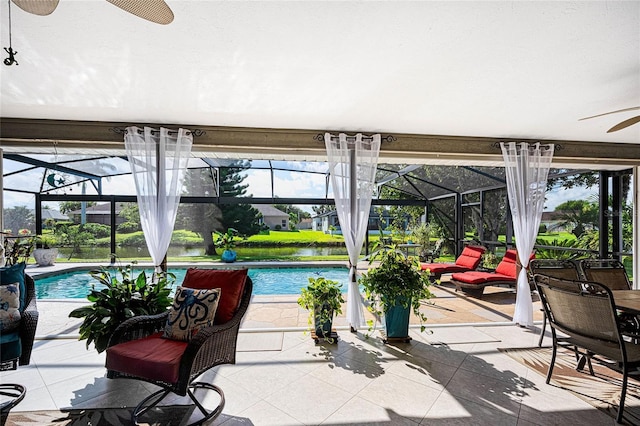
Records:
x=228, y=256
x=322, y=328
x=397, y=321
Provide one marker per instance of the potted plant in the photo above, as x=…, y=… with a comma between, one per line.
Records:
x=44, y=254
x=123, y=295
x=226, y=241
x=323, y=298
x=396, y=287
x=17, y=249
x=422, y=234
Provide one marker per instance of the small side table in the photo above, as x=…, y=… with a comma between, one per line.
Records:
x=10, y=396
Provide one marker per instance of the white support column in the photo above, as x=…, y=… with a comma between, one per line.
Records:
x=636, y=227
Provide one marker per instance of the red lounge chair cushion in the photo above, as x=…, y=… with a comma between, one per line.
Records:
x=477, y=277
x=468, y=260
x=151, y=357
x=442, y=268
x=229, y=281
x=470, y=257
x=507, y=265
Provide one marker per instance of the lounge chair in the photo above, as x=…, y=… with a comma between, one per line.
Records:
x=468, y=260
x=474, y=282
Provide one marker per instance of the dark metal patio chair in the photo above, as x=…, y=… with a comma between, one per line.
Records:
x=585, y=313
x=565, y=269
x=609, y=272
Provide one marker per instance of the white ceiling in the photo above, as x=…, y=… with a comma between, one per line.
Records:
x=499, y=69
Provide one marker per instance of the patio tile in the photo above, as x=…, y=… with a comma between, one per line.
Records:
x=481, y=389
x=360, y=412
x=263, y=414
x=432, y=374
x=347, y=374
x=264, y=378
x=309, y=400
x=405, y=397
x=451, y=410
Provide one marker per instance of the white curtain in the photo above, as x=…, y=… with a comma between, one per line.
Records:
x=158, y=162
x=352, y=164
x=527, y=168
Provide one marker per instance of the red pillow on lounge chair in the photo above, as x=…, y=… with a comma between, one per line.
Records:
x=468, y=260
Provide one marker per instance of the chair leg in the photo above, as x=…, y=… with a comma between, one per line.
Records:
x=553, y=359
x=623, y=393
x=544, y=327
x=208, y=415
x=158, y=396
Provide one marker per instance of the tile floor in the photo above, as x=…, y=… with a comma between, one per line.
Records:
x=455, y=375
x=452, y=374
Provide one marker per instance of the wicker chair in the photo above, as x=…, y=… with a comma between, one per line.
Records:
x=565, y=269
x=209, y=347
x=17, y=345
x=586, y=313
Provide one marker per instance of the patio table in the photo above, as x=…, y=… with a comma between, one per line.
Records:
x=627, y=300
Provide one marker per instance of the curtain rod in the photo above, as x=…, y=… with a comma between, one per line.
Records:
x=557, y=146
x=389, y=138
x=122, y=131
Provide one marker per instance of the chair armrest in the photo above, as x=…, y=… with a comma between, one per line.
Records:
x=28, y=325
x=138, y=327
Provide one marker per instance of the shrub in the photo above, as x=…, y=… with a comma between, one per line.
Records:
x=98, y=230
x=128, y=227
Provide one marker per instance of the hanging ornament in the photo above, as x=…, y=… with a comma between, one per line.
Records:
x=55, y=180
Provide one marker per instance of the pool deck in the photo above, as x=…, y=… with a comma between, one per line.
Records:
x=455, y=374
x=267, y=313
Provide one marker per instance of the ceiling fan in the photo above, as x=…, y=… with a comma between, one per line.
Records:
x=623, y=124
x=152, y=10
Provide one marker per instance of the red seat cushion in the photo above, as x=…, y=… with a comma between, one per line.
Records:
x=470, y=257
x=229, y=281
x=477, y=277
x=442, y=268
x=151, y=357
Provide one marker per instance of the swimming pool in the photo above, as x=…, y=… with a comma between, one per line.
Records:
x=266, y=281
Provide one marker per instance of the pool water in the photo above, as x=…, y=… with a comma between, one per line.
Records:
x=266, y=281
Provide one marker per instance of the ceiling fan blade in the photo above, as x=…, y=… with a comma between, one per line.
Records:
x=611, y=112
x=625, y=123
x=152, y=10
x=37, y=7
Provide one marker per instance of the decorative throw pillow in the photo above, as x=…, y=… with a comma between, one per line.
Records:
x=191, y=310
x=229, y=281
x=9, y=307
x=15, y=274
